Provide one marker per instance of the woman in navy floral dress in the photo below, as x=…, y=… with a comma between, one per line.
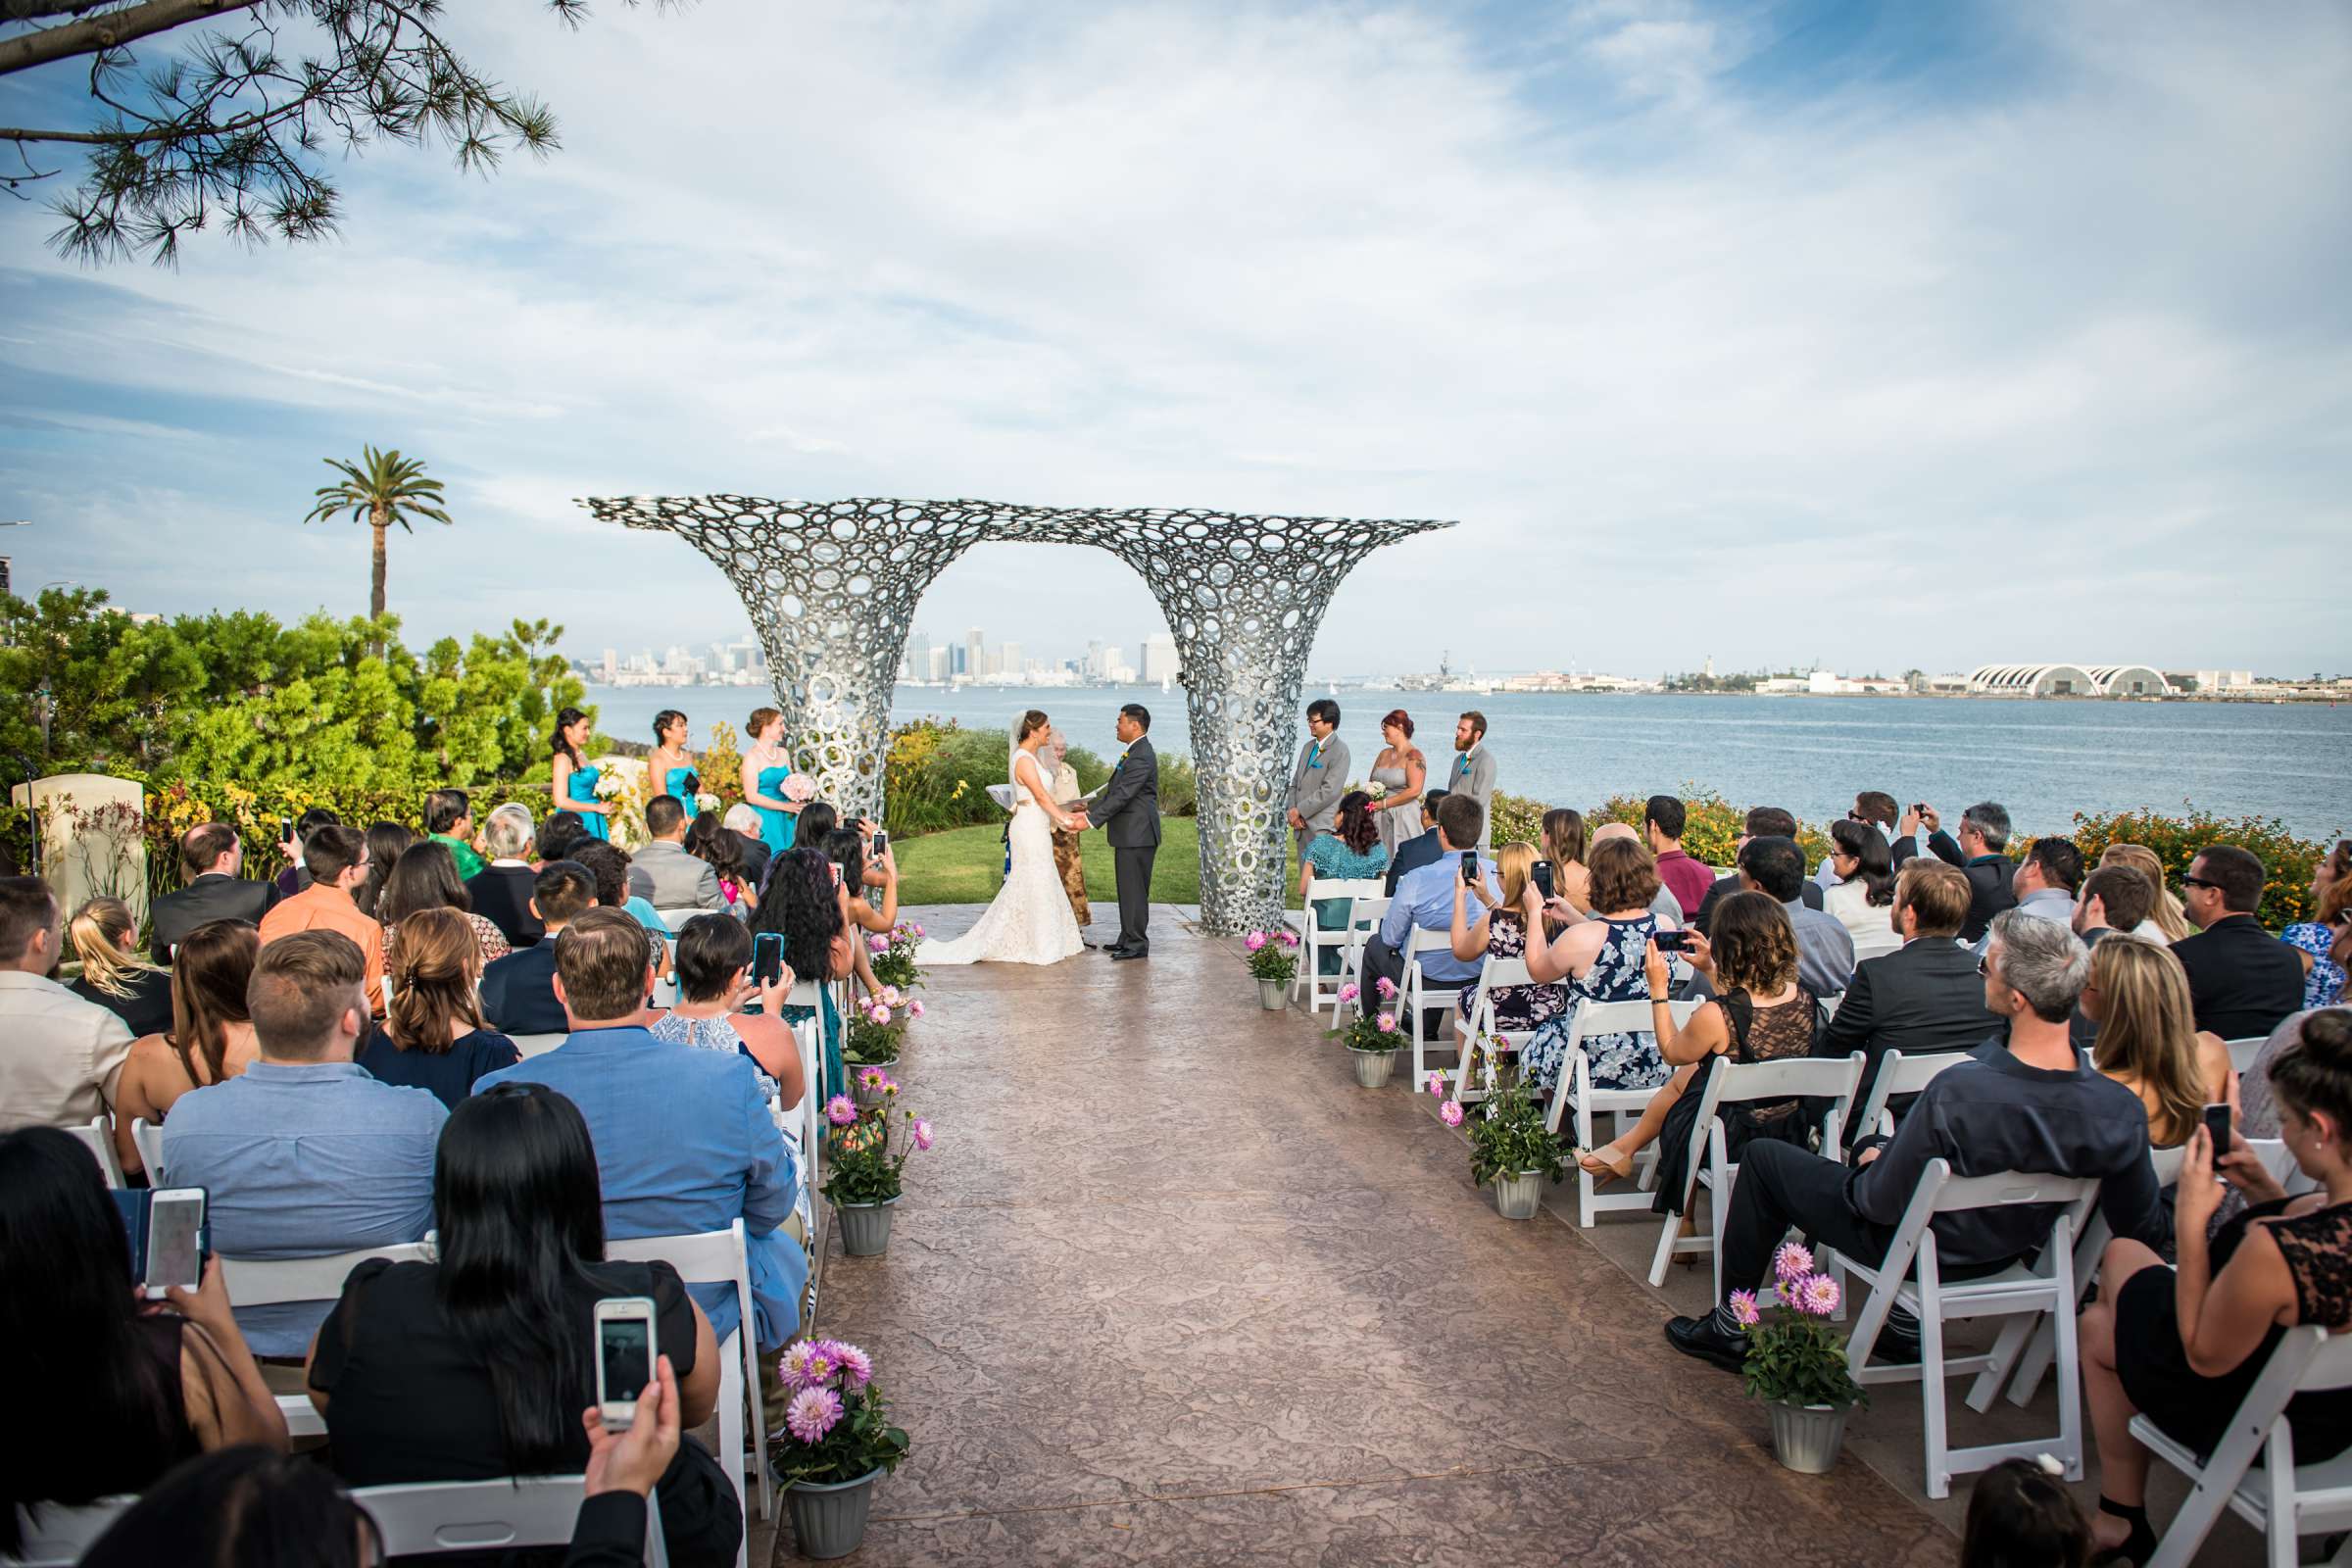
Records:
x=1603, y=959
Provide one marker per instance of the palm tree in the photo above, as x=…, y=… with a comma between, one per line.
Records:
x=382, y=488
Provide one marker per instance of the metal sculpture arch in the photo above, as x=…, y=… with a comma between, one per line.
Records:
x=832, y=589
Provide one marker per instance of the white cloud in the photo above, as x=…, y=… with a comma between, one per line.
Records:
x=1819, y=361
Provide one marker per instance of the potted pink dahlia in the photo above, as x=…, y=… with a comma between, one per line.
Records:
x=1374, y=1038
x=1273, y=964
x=837, y=1442
x=1796, y=1363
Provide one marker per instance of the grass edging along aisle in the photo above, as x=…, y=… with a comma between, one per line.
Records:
x=966, y=865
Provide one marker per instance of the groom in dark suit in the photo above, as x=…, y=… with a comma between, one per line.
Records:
x=1127, y=809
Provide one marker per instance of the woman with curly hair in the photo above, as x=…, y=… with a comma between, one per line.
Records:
x=709, y=839
x=1351, y=852
x=801, y=903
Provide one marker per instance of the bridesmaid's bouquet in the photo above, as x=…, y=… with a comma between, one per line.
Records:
x=799, y=788
x=610, y=785
x=1377, y=790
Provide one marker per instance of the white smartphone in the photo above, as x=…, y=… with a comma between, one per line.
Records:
x=175, y=1241
x=624, y=1356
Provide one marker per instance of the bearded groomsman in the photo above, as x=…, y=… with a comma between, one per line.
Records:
x=1321, y=776
x=1474, y=770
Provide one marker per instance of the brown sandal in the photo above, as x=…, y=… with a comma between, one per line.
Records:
x=1593, y=1164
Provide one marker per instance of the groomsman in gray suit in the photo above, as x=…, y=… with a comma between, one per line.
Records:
x=1474, y=770
x=1321, y=776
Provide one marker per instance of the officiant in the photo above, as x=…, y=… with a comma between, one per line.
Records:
x=1062, y=779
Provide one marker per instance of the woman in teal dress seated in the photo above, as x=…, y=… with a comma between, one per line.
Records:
x=575, y=781
x=671, y=765
x=766, y=767
x=802, y=904
x=1350, y=851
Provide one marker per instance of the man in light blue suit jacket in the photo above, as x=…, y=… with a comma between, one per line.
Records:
x=684, y=1141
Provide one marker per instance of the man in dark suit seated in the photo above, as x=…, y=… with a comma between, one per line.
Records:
x=212, y=857
x=2241, y=979
x=1981, y=854
x=744, y=822
x=501, y=892
x=1416, y=853
x=1924, y=999
x=1763, y=821
x=518, y=991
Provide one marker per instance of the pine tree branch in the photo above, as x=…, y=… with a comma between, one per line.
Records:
x=114, y=29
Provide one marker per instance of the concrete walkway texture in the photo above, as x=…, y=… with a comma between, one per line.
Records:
x=1172, y=1289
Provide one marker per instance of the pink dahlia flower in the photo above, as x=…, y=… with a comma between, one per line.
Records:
x=1744, y=1308
x=841, y=1111
x=923, y=1133
x=812, y=1413
x=1451, y=1113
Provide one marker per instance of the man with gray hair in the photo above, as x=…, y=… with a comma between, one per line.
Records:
x=2026, y=1102
x=501, y=889
x=1981, y=854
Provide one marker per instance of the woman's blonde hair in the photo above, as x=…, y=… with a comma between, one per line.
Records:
x=102, y=932
x=1516, y=861
x=2148, y=1033
x=2170, y=917
x=436, y=962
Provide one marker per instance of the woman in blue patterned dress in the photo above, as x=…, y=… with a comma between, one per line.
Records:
x=1603, y=959
x=1502, y=933
x=1351, y=852
x=575, y=781
x=2323, y=942
x=671, y=766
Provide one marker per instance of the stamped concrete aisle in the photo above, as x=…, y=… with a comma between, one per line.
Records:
x=1171, y=1289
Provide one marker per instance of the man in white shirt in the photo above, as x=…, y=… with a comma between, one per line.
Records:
x=1473, y=772
x=60, y=1056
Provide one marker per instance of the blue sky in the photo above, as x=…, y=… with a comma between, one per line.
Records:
x=1916, y=334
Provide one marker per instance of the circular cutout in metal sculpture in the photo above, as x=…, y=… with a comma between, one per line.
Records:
x=832, y=589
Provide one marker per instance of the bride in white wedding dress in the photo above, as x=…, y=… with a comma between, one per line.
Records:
x=1030, y=919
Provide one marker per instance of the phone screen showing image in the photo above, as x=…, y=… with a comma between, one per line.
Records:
x=1669, y=941
x=624, y=1358
x=1469, y=867
x=175, y=1241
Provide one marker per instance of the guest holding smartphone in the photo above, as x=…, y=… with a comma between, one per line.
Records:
x=1604, y=958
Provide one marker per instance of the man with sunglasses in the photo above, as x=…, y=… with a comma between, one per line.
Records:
x=2241, y=980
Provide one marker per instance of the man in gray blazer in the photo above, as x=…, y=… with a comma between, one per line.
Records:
x=1127, y=809
x=1474, y=769
x=1321, y=777
x=682, y=881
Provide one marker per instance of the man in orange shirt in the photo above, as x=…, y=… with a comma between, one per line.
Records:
x=336, y=857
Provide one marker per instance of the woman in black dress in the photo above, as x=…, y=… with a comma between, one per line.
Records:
x=2184, y=1345
x=477, y=1366
x=104, y=937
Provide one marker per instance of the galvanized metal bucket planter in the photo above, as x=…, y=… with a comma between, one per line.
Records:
x=1519, y=1196
x=1806, y=1437
x=865, y=1227
x=1372, y=1067
x=1273, y=995
x=828, y=1520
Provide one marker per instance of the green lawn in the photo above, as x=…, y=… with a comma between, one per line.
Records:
x=966, y=865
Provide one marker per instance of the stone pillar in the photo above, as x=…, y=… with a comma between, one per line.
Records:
x=92, y=838
x=832, y=589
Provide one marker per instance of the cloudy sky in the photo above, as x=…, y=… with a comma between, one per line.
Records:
x=1914, y=335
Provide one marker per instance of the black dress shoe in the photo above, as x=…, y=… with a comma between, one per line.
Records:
x=1706, y=1338
x=1130, y=953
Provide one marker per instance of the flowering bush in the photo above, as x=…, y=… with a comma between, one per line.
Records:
x=1372, y=1031
x=891, y=956
x=1273, y=955
x=2287, y=861
x=1796, y=1357
x=864, y=1170
x=838, y=1425
x=1508, y=1137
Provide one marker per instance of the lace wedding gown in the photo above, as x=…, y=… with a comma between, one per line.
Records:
x=1030, y=919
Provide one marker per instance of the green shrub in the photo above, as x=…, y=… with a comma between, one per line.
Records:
x=1518, y=819
x=2288, y=861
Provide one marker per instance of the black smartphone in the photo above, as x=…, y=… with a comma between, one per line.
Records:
x=767, y=957
x=1671, y=941
x=2217, y=1123
x=1540, y=874
x=285, y=830
x=1469, y=868
x=881, y=842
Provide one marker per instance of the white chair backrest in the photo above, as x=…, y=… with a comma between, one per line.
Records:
x=2275, y=1158
x=2168, y=1164
x=99, y=1140
x=676, y=919
x=267, y=1282
x=1427, y=940
x=1622, y=1019
x=813, y=1143
x=148, y=1139
x=57, y=1536
x=1900, y=1074
x=537, y=1044
x=709, y=1257
x=2243, y=1051
x=2005, y=1189
x=439, y=1516
x=1365, y=915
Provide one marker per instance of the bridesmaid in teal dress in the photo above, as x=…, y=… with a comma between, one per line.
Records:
x=766, y=767
x=672, y=764
x=575, y=781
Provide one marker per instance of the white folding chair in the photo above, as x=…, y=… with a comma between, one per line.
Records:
x=1589, y=1019
x=2243, y=1051
x=677, y=918
x=148, y=1139
x=1363, y=923
x=2281, y=1498
x=537, y=1044
x=720, y=1257
x=812, y=1146
x=422, y=1518
x=1420, y=994
x=1314, y=941
x=1494, y=975
x=274, y=1282
x=2021, y=1292
x=1735, y=1083
x=1898, y=1074
x=100, y=1139
x=57, y=1538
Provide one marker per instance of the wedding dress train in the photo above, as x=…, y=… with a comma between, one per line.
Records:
x=1029, y=921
